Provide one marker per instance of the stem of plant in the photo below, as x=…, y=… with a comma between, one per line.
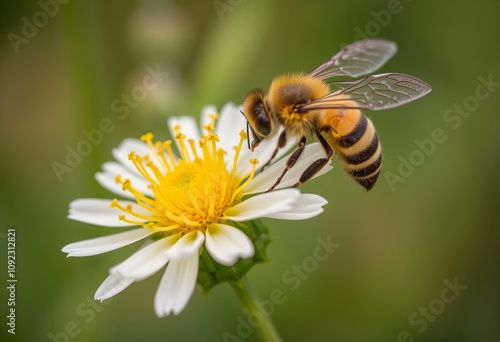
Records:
x=265, y=326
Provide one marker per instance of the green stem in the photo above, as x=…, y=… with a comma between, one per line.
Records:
x=261, y=319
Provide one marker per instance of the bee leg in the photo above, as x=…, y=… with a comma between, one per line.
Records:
x=318, y=164
x=281, y=144
x=291, y=161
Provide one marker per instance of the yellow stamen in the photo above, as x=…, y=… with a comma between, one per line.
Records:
x=243, y=137
x=254, y=163
x=189, y=192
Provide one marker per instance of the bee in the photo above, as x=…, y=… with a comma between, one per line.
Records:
x=306, y=104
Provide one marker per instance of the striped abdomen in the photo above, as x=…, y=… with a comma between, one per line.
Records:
x=357, y=146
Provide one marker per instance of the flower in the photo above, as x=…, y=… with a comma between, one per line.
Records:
x=186, y=203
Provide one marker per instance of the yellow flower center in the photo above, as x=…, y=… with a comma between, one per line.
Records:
x=189, y=192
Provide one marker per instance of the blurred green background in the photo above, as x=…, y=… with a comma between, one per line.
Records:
x=431, y=218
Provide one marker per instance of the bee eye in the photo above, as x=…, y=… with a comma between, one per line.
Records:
x=262, y=123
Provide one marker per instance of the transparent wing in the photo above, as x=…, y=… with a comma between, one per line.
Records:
x=357, y=59
x=375, y=92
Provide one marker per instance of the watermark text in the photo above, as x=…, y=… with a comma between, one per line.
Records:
x=453, y=117
x=121, y=108
x=292, y=278
x=11, y=280
x=421, y=318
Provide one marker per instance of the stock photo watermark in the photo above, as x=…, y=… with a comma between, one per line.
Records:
x=421, y=318
x=292, y=279
x=453, y=118
x=223, y=6
x=121, y=108
x=86, y=311
x=381, y=19
x=11, y=283
x=31, y=25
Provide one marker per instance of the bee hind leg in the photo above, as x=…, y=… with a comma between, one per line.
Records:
x=315, y=167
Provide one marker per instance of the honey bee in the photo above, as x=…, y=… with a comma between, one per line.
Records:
x=306, y=104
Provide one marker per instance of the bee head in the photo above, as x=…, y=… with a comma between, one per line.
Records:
x=258, y=118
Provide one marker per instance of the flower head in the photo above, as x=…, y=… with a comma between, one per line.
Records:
x=188, y=202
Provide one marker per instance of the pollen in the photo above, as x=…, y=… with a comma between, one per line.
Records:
x=190, y=191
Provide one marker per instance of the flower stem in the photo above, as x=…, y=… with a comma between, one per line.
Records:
x=261, y=319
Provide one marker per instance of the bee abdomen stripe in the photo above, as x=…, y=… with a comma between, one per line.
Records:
x=369, y=182
x=356, y=134
x=368, y=170
x=365, y=154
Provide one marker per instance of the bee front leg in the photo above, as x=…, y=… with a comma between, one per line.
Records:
x=280, y=145
x=315, y=167
x=291, y=161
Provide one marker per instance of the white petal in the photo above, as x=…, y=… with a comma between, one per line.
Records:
x=177, y=285
x=138, y=181
x=97, y=211
x=147, y=261
x=141, y=148
x=187, y=124
x=188, y=244
x=296, y=215
x=106, y=243
x=264, y=180
x=308, y=201
x=130, y=145
x=304, y=207
x=228, y=127
x=107, y=179
x=226, y=244
x=111, y=286
x=188, y=127
x=206, y=112
x=262, y=205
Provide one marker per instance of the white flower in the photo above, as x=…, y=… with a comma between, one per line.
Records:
x=187, y=202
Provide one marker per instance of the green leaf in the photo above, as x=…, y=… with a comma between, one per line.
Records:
x=212, y=273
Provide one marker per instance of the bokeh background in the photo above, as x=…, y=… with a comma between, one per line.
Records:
x=399, y=243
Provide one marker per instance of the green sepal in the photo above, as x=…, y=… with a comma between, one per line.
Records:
x=212, y=273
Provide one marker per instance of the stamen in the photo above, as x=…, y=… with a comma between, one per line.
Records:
x=160, y=153
x=213, y=117
x=182, y=147
x=209, y=128
x=204, y=148
x=135, y=223
x=254, y=163
x=129, y=210
x=194, y=201
x=167, y=229
x=193, y=148
x=148, y=138
x=137, y=161
x=156, y=171
x=168, y=146
x=222, y=192
x=118, y=179
x=189, y=192
x=243, y=137
x=214, y=139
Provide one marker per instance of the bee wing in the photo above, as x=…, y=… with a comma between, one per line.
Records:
x=373, y=92
x=357, y=59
